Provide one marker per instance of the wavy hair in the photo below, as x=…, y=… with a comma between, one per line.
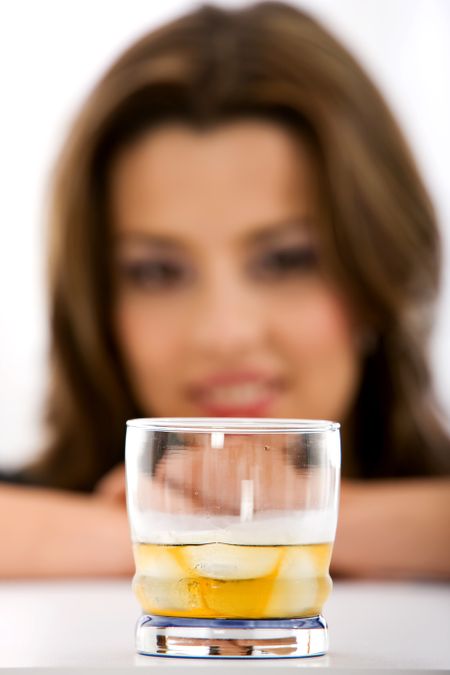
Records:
x=379, y=236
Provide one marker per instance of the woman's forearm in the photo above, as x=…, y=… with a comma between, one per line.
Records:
x=390, y=529
x=394, y=529
x=48, y=533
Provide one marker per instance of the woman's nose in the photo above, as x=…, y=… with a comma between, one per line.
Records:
x=228, y=318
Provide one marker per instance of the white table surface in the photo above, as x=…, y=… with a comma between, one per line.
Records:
x=85, y=624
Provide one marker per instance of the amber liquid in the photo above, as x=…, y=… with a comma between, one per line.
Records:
x=232, y=581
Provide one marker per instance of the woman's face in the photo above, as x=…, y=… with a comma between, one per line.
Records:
x=221, y=307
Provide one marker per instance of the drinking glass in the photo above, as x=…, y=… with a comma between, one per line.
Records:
x=232, y=523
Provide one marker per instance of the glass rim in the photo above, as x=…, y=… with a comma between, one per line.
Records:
x=234, y=425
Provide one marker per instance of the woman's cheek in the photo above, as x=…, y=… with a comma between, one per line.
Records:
x=318, y=319
x=148, y=334
x=317, y=339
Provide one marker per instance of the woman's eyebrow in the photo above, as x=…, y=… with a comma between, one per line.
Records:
x=266, y=233
x=147, y=239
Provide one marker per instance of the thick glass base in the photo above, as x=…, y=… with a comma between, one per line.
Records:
x=230, y=638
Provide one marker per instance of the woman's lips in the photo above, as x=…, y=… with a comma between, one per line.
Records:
x=236, y=396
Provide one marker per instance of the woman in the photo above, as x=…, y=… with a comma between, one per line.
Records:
x=238, y=228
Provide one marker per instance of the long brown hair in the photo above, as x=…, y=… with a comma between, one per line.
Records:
x=379, y=238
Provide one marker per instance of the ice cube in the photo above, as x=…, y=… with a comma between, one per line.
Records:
x=228, y=561
x=161, y=562
x=297, y=563
x=294, y=598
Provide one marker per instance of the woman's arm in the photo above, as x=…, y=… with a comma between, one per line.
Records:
x=398, y=529
x=394, y=529
x=49, y=533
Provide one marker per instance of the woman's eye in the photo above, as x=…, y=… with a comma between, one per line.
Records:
x=153, y=274
x=286, y=262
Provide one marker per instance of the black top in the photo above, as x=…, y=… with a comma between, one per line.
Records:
x=16, y=476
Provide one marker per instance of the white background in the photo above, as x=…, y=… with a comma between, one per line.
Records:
x=51, y=54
